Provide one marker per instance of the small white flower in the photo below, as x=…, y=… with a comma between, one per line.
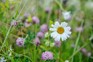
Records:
x=67, y=15
x=60, y=31
x=66, y=61
x=2, y=59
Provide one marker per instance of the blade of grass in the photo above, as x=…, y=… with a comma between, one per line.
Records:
x=11, y=27
x=77, y=40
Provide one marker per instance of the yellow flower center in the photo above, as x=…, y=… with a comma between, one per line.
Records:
x=60, y=30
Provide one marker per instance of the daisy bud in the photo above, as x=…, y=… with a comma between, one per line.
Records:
x=20, y=42
x=47, y=55
x=57, y=43
x=35, y=20
x=67, y=15
x=14, y=23
x=37, y=41
x=40, y=34
x=44, y=28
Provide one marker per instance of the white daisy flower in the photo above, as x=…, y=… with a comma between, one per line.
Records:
x=67, y=15
x=60, y=31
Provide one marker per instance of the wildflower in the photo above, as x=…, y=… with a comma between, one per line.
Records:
x=47, y=9
x=67, y=15
x=37, y=41
x=79, y=29
x=66, y=61
x=27, y=24
x=14, y=23
x=20, y=42
x=2, y=59
x=60, y=31
x=47, y=55
x=40, y=34
x=57, y=43
x=44, y=28
x=35, y=20
x=85, y=52
x=26, y=15
x=89, y=54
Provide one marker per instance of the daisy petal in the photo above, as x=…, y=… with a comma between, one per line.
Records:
x=52, y=29
x=64, y=24
x=63, y=36
x=54, y=34
x=56, y=24
x=57, y=38
x=67, y=28
x=68, y=32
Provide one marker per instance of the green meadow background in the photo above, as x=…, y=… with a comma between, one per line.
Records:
x=72, y=49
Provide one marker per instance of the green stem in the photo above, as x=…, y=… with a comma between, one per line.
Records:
x=10, y=28
x=77, y=40
x=21, y=10
x=6, y=38
x=59, y=5
x=78, y=50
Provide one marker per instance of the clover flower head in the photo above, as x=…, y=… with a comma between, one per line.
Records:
x=47, y=55
x=20, y=42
